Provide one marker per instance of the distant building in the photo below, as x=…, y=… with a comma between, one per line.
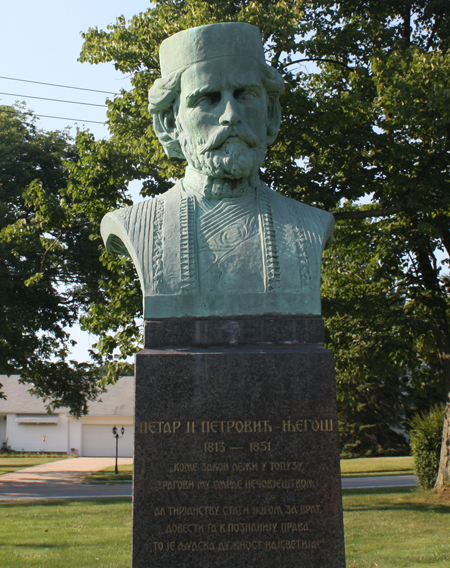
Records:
x=25, y=424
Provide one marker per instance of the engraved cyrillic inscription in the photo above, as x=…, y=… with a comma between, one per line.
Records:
x=224, y=474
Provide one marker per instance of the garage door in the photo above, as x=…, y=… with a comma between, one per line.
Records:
x=98, y=441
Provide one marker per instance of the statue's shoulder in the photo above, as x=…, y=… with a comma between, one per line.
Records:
x=120, y=229
x=310, y=218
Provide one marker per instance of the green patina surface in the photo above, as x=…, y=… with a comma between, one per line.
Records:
x=220, y=242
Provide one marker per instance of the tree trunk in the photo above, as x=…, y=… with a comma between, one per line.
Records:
x=437, y=302
x=443, y=478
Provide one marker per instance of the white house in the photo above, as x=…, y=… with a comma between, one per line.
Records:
x=25, y=424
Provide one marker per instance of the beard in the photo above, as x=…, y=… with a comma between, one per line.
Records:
x=234, y=159
x=232, y=153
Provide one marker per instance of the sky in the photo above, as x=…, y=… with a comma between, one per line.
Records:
x=41, y=42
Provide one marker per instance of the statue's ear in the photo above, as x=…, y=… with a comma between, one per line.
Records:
x=164, y=124
x=166, y=130
x=168, y=122
x=273, y=118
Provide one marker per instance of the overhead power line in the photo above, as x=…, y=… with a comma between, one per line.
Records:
x=61, y=86
x=65, y=118
x=2, y=109
x=54, y=100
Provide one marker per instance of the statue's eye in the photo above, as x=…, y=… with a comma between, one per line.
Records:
x=245, y=95
x=208, y=99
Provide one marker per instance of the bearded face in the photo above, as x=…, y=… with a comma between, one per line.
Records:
x=229, y=153
x=221, y=118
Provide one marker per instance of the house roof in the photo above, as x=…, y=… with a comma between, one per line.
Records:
x=118, y=400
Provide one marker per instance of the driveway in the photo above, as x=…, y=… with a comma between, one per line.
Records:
x=61, y=480
x=379, y=481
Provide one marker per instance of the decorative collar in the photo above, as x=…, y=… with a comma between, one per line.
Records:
x=218, y=188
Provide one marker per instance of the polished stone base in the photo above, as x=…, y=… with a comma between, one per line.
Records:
x=236, y=446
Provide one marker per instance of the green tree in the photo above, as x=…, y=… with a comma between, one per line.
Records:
x=364, y=136
x=49, y=266
x=426, y=431
x=386, y=365
x=384, y=83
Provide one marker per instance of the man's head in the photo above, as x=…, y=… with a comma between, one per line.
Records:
x=217, y=103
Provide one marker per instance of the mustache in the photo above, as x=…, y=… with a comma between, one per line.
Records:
x=221, y=135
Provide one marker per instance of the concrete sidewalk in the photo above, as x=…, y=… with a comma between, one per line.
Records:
x=61, y=479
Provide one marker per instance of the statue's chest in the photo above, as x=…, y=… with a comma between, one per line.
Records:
x=229, y=245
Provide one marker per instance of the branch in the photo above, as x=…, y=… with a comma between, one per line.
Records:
x=437, y=23
x=446, y=241
x=407, y=23
x=341, y=63
x=277, y=56
x=369, y=213
x=432, y=257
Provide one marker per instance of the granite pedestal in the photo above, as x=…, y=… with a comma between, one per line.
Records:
x=236, y=446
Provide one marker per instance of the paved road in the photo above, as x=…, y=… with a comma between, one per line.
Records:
x=379, y=481
x=62, y=480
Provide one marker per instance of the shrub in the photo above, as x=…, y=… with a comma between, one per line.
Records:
x=426, y=440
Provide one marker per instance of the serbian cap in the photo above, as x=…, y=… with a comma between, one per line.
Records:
x=210, y=42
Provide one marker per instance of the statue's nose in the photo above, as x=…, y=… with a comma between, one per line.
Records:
x=230, y=115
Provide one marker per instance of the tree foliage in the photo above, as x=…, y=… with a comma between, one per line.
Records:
x=371, y=124
x=365, y=135
x=382, y=93
x=387, y=367
x=49, y=265
x=426, y=438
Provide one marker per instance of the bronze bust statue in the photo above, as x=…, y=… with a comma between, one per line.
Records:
x=220, y=242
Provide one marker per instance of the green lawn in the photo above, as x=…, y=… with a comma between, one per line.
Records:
x=396, y=528
x=349, y=468
x=377, y=466
x=66, y=534
x=108, y=475
x=13, y=462
x=390, y=528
